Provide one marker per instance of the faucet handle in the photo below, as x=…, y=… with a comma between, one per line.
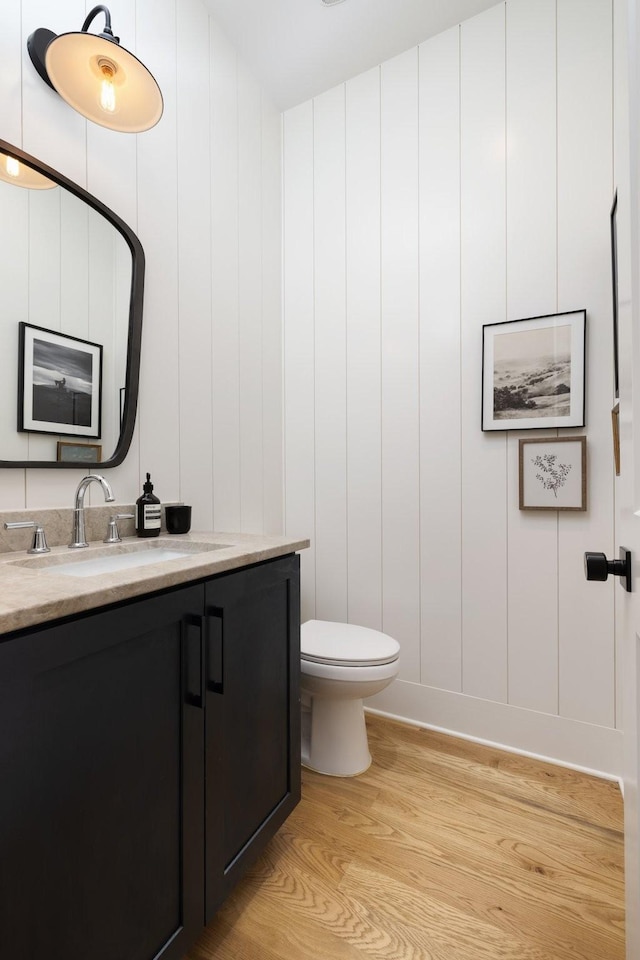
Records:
x=39, y=542
x=113, y=535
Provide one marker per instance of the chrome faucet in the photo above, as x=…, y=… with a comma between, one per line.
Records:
x=79, y=537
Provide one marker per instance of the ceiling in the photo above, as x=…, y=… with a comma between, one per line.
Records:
x=299, y=48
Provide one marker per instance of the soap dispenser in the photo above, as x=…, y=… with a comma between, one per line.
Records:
x=148, y=513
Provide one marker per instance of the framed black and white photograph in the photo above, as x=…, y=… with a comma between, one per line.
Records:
x=59, y=383
x=533, y=372
x=553, y=473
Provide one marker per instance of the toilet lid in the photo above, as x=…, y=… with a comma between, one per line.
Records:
x=323, y=641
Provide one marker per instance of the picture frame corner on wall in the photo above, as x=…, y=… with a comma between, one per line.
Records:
x=552, y=473
x=614, y=292
x=533, y=372
x=122, y=394
x=59, y=383
x=615, y=429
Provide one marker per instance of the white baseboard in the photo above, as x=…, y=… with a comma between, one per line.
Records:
x=581, y=746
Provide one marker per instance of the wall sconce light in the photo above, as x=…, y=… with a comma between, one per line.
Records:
x=98, y=77
x=18, y=174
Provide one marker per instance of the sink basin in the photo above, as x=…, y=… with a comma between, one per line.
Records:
x=113, y=559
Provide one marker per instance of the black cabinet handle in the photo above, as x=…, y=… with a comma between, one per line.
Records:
x=215, y=649
x=192, y=666
x=597, y=567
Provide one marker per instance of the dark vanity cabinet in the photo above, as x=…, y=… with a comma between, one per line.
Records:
x=147, y=752
x=101, y=784
x=252, y=717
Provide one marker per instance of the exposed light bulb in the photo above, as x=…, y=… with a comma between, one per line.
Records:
x=107, y=89
x=12, y=167
x=107, y=96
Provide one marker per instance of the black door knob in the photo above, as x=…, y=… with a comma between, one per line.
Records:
x=597, y=567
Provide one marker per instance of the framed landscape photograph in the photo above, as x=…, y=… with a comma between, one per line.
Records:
x=59, y=383
x=533, y=372
x=553, y=473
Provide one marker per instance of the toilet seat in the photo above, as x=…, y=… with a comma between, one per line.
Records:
x=327, y=643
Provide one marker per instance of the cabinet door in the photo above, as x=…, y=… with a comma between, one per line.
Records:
x=101, y=812
x=252, y=716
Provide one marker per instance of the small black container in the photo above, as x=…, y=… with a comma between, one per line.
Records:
x=178, y=518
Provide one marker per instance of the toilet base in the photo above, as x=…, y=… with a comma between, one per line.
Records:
x=334, y=737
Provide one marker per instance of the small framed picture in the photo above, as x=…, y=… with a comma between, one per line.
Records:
x=59, y=383
x=533, y=372
x=553, y=474
x=69, y=452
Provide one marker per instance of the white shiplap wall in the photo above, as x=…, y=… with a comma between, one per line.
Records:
x=464, y=182
x=202, y=190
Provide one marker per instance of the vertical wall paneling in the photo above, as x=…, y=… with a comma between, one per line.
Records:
x=585, y=190
x=400, y=343
x=11, y=61
x=52, y=488
x=111, y=156
x=194, y=262
x=90, y=306
x=13, y=252
x=621, y=180
x=364, y=481
x=400, y=391
x=85, y=266
x=224, y=279
x=112, y=176
x=273, y=479
x=250, y=301
x=299, y=341
x=56, y=134
x=45, y=295
x=531, y=290
x=159, y=182
x=44, y=258
x=14, y=283
x=330, y=355
x=51, y=130
x=159, y=409
x=531, y=144
x=12, y=489
x=440, y=441
x=484, y=508
x=477, y=190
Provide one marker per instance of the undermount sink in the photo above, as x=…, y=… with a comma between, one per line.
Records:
x=112, y=559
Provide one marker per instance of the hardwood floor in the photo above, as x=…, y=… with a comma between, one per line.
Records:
x=442, y=850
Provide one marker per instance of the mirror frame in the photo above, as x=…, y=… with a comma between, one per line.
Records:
x=134, y=339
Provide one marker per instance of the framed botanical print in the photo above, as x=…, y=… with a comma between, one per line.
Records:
x=553, y=473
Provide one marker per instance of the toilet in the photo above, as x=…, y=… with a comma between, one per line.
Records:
x=341, y=664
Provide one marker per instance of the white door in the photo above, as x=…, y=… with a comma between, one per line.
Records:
x=628, y=483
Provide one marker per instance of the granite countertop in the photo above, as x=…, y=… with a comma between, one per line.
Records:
x=32, y=593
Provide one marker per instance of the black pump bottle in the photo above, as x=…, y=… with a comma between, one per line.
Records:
x=148, y=513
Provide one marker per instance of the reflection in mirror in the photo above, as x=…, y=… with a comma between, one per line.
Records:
x=68, y=265
x=20, y=175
